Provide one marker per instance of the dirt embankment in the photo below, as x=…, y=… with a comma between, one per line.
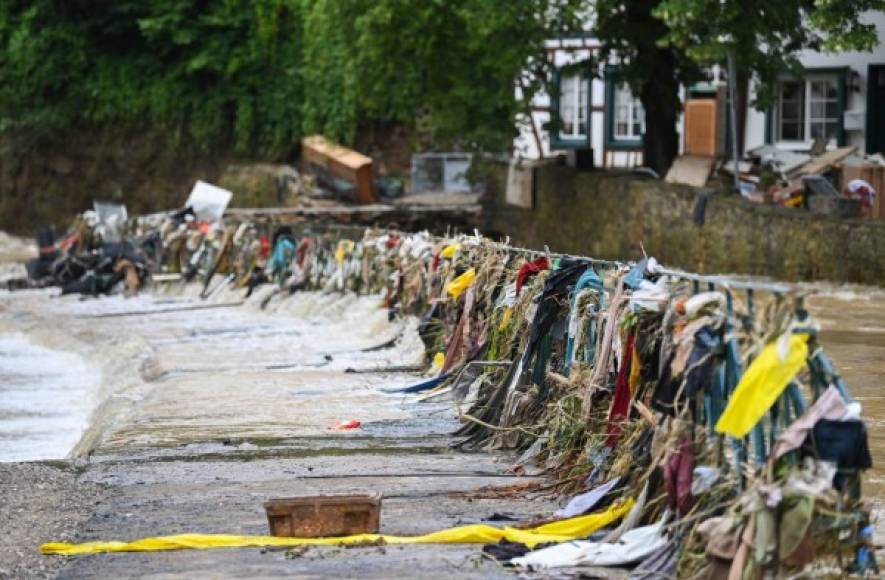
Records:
x=51, y=181
x=48, y=183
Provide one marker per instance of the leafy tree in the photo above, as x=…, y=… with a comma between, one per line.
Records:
x=446, y=67
x=215, y=73
x=257, y=74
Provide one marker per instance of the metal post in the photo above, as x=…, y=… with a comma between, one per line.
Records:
x=732, y=109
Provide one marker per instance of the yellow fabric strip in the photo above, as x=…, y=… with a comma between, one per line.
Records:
x=450, y=250
x=635, y=372
x=764, y=381
x=344, y=248
x=557, y=532
x=457, y=286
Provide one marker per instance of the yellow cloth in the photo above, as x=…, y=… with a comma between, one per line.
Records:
x=344, y=247
x=561, y=531
x=450, y=250
x=505, y=318
x=635, y=372
x=457, y=286
x=764, y=381
x=439, y=359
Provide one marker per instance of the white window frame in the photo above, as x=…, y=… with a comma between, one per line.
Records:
x=579, y=97
x=807, y=120
x=633, y=107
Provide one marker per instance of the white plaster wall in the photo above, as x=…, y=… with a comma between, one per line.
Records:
x=525, y=144
x=858, y=61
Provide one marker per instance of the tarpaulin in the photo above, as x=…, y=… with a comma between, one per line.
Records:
x=457, y=286
x=765, y=380
x=555, y=532
x=634, y=546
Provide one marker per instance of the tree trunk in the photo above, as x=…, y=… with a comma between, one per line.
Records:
x=743, y=103
x=660, y=98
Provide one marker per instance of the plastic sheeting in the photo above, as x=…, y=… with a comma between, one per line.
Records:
x=587, y=501
x=634, y=546
x=555, y=532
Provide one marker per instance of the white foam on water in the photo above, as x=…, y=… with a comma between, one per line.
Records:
x=46, y=397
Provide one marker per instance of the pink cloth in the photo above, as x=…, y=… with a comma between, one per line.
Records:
x=829, y=405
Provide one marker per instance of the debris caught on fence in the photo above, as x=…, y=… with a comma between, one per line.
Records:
x=710, y=403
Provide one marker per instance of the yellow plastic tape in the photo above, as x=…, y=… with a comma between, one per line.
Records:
x=457, y=286
x=439, y=360
x=561, y=531
x=764, y=381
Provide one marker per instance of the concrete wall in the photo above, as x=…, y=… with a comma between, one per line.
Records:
x=612, y=216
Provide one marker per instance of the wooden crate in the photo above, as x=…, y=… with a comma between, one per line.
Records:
x=321, y=516
x=330, y=162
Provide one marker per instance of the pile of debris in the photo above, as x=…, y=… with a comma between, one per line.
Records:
x=706, y=431
x=103, y=251
x=840, y=181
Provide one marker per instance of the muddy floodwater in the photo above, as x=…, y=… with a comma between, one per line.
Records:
x=853, y=333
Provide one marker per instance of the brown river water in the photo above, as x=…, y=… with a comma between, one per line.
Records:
x=853, y=334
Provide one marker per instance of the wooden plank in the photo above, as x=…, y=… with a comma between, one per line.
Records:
x=690, y=170
x=820, y=164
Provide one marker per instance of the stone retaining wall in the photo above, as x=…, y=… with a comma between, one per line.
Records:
x=614, y=215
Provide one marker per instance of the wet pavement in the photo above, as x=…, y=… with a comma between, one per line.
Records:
x=208, y=413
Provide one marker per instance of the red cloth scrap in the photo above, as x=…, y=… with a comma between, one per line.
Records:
x=530, y=269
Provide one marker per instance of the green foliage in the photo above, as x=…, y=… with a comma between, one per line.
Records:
x=766, y=36
x=257, y=74
x=215, y=73
x=445, y=67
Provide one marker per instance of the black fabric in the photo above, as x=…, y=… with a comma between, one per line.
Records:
x=699, y=369
x=556, y=292
x=699, y=213
x=505, y=551
x=256, y=279
x=843, y=442
x=665, y=391
x=660, y=564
